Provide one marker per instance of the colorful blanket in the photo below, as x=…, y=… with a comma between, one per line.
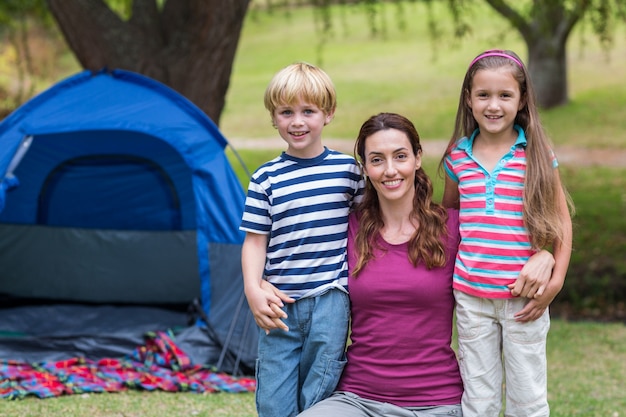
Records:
x=158, y=365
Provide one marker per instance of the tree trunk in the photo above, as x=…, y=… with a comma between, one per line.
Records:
x=189, y=45
x=545, y=29
x=547, y=65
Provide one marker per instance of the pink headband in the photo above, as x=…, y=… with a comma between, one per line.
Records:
x=496, y=53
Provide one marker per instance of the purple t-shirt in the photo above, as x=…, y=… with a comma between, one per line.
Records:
x=402, y=327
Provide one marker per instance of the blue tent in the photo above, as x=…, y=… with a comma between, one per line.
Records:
x=116, y=192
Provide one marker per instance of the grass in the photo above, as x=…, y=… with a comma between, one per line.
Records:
x=586, y=371
x=135, y=404
x=403, y=72
x=597, y=267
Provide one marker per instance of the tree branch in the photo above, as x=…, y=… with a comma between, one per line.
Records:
x=515, y=18
x=146, y=18
x=91, y=29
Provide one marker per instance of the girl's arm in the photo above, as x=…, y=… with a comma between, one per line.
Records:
x=451, y=197
x=562, y=252
x=263, y=301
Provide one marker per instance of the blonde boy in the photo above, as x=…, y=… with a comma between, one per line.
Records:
x=296, y=219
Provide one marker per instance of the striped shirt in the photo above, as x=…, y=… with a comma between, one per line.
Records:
x=495, y=244
x=303, y=205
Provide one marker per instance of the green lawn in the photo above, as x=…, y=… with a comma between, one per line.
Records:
x=586, y=365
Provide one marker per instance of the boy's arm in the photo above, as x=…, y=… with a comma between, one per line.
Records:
x=562, y=252
x=264, y=302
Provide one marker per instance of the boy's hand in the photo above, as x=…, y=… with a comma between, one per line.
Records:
x=265, y=304
x=266, y=286
x=267, y=314
x=534, y=276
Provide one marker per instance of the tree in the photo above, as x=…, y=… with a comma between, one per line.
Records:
x=14, y=26
x=545, y=26
x=189, y=45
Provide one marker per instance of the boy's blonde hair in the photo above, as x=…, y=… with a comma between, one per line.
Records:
x=301, y=81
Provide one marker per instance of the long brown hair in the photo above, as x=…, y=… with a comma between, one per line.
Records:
x=427, y=243
x=541, y=186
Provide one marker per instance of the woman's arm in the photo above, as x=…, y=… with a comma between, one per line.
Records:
x=534, y=276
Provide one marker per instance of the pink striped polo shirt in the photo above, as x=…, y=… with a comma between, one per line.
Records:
x=495, y=244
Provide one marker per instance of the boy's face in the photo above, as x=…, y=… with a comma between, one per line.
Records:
x=300, y=125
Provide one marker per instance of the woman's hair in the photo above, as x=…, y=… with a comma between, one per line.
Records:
x=301, y=81
x=427, y=244
x=541, y=185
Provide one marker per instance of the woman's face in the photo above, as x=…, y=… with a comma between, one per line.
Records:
x=390, y=165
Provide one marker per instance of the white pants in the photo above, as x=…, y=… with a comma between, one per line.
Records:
x=495, y=349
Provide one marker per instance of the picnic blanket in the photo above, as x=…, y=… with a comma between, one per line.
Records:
x=159, y=364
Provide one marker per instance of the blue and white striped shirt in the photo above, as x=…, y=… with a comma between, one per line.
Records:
x=303, y=205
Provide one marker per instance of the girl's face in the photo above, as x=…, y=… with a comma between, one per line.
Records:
x=301, y=125
x=390, y=165
x=495, y=99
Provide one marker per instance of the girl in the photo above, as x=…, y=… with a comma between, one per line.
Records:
x=502, y=175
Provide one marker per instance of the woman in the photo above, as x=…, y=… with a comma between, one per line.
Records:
x=401, y=250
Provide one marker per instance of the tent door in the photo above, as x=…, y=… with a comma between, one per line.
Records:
x=121, y=192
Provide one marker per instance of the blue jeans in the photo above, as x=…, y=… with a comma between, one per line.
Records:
x=298, y=368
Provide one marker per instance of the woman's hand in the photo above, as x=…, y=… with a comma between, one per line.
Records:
x=534, y=276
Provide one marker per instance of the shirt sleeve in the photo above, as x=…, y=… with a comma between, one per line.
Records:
x=256, y=214
x=555, y=162
x=448, y=166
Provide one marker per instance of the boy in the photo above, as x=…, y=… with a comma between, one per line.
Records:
x=296, y=219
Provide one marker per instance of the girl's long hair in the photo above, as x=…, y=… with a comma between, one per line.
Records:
x=427, y=244
x=541, y=186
